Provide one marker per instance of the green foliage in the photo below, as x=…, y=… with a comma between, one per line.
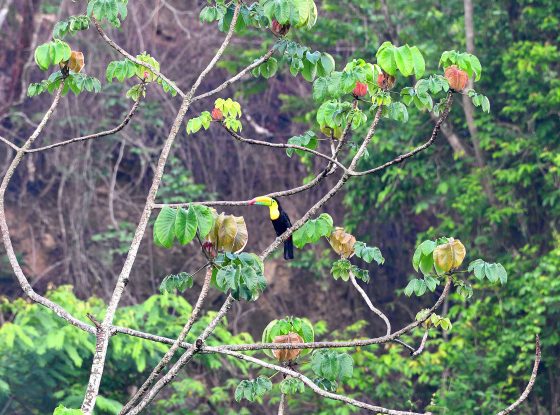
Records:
x=70, y=26
x=182, y=224
x=407, y=60
x=298, y=13
x=121, y=70
x=52, y=53
x=307, y=140
x=253, y=389
x=75, y=82
x=302, y=60
x=341, y=270
x=368, y=253
x=465, y=61
x=114, y=11
x=195, y=124
x=493, y=272
x=240, y=274
x=479, y=100
x=62, y=410
x=332, y=365
x=292, y=386
x=313, y=230
x=176, y=282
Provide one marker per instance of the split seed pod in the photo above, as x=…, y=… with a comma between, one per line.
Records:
x=284, y=355
x=450, y=255
x=342, y=243
x=229, y=233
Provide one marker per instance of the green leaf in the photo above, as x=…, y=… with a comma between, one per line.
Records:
x=341, y=269
x=204, y=219
x=185, y=226
x=418, y=62
x=269, y=68
x=179, y=282
x=291, y=386
x=325, y=65
x=313, y=230
x=332, y=365
x=164, y=227
x=42, y=58
x=386, y=58
x=368, y=253
x=62, y=410
x=404, y=60
x=252, y=390
x=307, y=140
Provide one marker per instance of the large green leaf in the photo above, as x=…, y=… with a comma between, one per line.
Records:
x=164, y=227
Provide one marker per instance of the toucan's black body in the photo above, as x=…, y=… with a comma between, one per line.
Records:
x=280, y=226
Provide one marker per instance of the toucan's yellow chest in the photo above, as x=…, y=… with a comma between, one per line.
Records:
x=274, y=212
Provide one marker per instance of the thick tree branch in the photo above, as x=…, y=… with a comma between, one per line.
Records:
x=103, y=335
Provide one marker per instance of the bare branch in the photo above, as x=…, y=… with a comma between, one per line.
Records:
x=420, y=349
x=531, y=383
x=418, y=149
x=20, y=275
x=237, y=77
x=242, y=139
x=282, y=405
x=378, y=312
x=171, y=352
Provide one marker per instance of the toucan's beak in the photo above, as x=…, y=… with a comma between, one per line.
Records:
x=261, y=200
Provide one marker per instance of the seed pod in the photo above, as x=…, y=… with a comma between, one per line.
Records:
x=229, y=233
x=284, y=355
x=279, y=29
x=360, y=90
x=75, y=63
x=342, y=242
x=217, y=114
x=385, y=81
x=456, y=77
x=450, y=255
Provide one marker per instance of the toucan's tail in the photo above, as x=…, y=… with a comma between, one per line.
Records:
x=289, y=249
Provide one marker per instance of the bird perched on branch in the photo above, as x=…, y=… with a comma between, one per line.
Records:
x=280, y=221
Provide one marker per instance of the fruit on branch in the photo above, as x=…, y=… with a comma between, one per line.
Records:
x=456, y=77
x=280, y=221
x=217, y=114
x=360, y=89
x=285, y=355
x=335, y=133
x=279, y=29
x=449, y=255
x=75, y=63
x=342, y=243
x=229, y=233
x=385, y=81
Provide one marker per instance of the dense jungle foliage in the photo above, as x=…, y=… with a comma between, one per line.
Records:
x=492, y=180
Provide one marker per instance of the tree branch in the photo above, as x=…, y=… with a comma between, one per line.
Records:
x=531, y=383
x=378, y=312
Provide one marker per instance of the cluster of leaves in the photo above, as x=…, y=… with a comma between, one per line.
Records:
x=126, y=69
x=300, y=59
x=114, y=11
x=182, y=224
x=433, y=320
x=331, y=367
x=493, y=272
x=307, y=140
x=404, y=59
x=479, y=100
x=253, y=389
x=70, y=26
x=342, y=268
x=52, y=53
x=297, y=13
x=291, y=386
x=176, y=282
x=313, y=230
x=75, y=82
x=230, y=111
x=240, y=274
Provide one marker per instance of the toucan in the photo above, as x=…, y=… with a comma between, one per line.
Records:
x=280, y=221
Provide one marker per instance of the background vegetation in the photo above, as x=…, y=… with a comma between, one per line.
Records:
x=492, y=180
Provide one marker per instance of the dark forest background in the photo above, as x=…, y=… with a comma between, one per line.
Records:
x=492, y=180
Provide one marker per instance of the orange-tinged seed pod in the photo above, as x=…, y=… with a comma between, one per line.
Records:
x=279, y=29
x=456, y=77
x=76, y=62
x=385, y=81
x=284, y=355
x=217, y=114
x=360, y=90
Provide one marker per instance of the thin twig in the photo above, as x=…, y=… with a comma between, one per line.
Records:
x=531, y=383
x=378, y=312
